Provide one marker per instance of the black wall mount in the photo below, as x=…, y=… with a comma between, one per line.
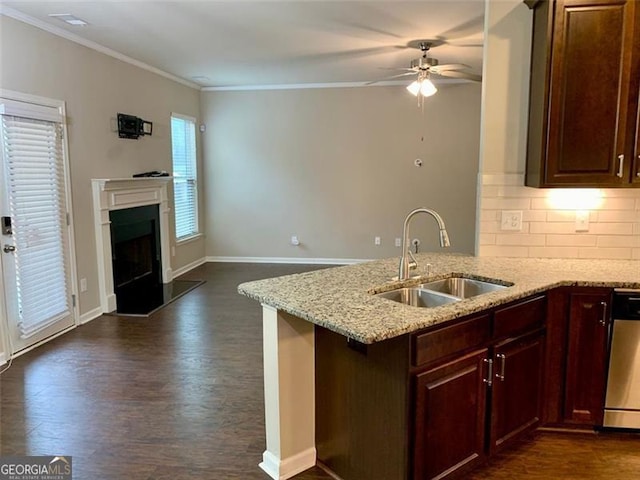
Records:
x=130, y=126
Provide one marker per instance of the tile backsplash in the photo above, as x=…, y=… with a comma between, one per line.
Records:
x=549, y=220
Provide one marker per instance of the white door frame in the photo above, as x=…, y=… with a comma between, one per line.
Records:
x=5, y=337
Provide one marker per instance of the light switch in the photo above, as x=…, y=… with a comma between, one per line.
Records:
x=582, y=221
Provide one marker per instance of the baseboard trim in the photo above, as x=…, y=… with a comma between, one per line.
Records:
x=90, y=315
x=289, y=260
x=182, y=270
x=289, y=467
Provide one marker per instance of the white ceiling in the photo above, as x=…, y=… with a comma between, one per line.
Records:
x=258, y=43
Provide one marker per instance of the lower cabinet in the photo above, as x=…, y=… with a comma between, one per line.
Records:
x=516, y=390
x=450, y=417
x=589, y=312
x=431, y=404
x=578, y=328
x=477, y=403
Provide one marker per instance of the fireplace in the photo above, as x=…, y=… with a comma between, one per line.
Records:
x=132, y=239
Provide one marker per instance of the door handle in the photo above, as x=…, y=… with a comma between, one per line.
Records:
x=9, y=248
x=603, y=319
x=620, y=166
x=489, y=379
x=503, y=359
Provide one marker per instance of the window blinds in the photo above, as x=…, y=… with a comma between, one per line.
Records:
x=35, y=180
x=183, y=141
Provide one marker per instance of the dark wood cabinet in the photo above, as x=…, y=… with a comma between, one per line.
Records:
x=635, y=165
x=431, y=404
x=584, y=93
x=450, y=417
x=516, y=390
x=585, y=379
x=501, y=384
x=435, y=403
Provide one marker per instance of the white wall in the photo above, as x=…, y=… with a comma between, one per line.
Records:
x=336, y=167
x=95, y=88
x=549, y=215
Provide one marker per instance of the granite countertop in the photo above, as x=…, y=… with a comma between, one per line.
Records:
x=340, y=298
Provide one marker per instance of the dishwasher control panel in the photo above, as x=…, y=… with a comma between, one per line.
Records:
x=626, y=304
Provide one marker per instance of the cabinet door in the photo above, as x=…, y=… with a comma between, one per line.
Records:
x=450, y=417
x=589, y=93
x=635, y=165
x=517, y=389
x=586, y=358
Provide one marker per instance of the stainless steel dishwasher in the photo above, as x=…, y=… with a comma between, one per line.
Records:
x=622, y=403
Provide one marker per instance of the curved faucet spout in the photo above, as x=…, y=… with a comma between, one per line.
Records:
x=403, y=270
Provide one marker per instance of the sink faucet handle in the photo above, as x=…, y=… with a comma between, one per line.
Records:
x=413, y=264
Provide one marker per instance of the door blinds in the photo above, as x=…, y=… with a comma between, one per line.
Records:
x=34, y=167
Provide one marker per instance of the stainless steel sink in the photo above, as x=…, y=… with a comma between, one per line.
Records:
x=462, y=287
x=441, y=292
x=418, y=297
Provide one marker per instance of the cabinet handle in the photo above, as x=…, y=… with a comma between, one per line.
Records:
x=502, y=357
x=620, y=166
x=603, y=319
x=489, y=379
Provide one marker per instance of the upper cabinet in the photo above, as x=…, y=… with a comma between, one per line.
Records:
x=585, y=83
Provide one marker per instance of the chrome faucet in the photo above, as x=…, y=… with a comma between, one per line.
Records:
x=405, y=264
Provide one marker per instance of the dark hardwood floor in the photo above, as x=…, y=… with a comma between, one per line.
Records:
x=179, y=396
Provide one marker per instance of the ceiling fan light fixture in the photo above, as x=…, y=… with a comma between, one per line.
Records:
x=427, y=88
x=414, y=88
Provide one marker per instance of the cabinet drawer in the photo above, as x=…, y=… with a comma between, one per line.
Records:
x=520, y=318
x=457, y=338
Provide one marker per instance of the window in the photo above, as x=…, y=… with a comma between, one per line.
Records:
x=185, y=185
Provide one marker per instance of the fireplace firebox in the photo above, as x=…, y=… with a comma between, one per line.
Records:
x=136, y=255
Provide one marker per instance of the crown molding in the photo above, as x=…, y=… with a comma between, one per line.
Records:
x=61, y=32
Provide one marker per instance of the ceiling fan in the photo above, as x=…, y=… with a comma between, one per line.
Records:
x=425, y=66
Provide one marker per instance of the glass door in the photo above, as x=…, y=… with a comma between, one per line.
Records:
x=35, y=237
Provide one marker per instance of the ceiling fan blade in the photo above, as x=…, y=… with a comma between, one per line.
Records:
x=472, y=26
x=371, y=29
x=345, y=54
x=456, y=74
x=391, y=77
x=471, y=43
x=400, y=69
x=449, y=66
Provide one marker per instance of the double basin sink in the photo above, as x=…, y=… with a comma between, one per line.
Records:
x=441, y=292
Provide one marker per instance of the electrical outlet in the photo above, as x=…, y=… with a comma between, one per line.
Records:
x=582, y=221
x=398, y=242
x=376, y=241
x=294, y=240
x=83, y=284
x=511, y=220
x=173, y=251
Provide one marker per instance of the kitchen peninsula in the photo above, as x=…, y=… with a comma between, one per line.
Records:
x=311, y=320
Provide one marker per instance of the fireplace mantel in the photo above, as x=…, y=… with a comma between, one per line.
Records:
x=116, y=194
